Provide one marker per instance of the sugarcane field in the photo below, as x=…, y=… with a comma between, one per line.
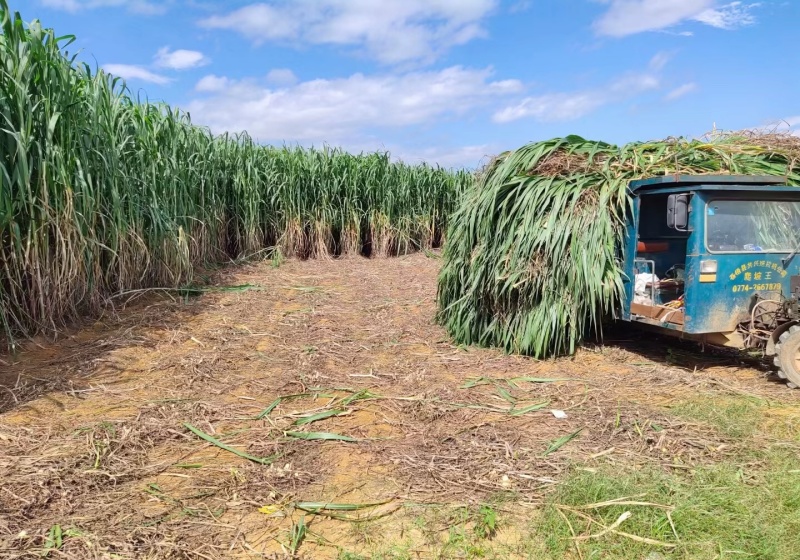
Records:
x=222, y=335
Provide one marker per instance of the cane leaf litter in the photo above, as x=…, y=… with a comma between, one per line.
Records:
x=206, y=428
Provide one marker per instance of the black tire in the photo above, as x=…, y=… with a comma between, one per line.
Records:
x=787, y=357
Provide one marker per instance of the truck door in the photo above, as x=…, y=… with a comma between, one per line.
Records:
x=660, y=261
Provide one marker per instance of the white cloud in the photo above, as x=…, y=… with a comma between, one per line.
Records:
x=680, y=91
x=180, y=59
x=281, y=77
x=627, y=17
x=147, y=7
x=212, y=83
x=133, y=72
x=567, y=106
x=794, y=125
x=344, y=110
x=471, y=157
x=164, y=58
x=391, y=31
x=659, y=60
x=729, y=16
x=789, y=124
x=520, y=7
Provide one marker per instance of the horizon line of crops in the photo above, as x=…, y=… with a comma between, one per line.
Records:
x=102, y=193
x=533, y=256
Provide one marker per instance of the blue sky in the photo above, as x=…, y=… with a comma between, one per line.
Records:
x=448, y=81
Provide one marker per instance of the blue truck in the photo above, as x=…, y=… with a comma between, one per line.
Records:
x=714, y=258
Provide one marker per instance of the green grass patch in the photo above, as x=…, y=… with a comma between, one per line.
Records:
x=740, y=417
x=721, y=511
x=727, y=511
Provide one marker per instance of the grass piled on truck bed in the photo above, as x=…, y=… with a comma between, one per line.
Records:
x=532, y=256
x=101, y=192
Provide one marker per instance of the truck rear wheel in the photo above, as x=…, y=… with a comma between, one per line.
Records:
x=787, y=357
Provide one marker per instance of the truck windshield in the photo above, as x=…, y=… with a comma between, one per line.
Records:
x=738, y=226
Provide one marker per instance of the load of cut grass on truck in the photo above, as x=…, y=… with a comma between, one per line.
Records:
x=557, y=237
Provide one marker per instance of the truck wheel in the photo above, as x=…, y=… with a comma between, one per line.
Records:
x=787, y=357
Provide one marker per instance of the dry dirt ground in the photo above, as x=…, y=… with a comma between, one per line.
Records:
x=102, y=455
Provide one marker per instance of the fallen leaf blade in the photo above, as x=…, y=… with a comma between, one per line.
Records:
x=537, y=379
x=204, y=436
x=316, y=417
x=360, y=395
x=325, y=436
x=557, y=444
x=470, y=383
x=312, y=507
x=506, y=396
x=272, y=406
x=527, y=409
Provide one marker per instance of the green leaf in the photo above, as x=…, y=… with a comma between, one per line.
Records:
x=298, y=535
x=272, y=406
x=202, y=435
x=320, y=436
x=470, y=383
x=537, y=379
x=506, y=395
x=312, y=507
x=490, y=408
x=527, y=409
x=198, y=290
x=557, y=444
x=360, y=395
x=54, y=540
x=319, y=416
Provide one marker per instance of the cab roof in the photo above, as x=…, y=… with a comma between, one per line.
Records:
x=710, y=182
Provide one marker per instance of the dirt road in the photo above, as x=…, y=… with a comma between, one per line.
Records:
x=333, y=379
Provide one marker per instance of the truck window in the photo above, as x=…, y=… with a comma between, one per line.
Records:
x=740, y=226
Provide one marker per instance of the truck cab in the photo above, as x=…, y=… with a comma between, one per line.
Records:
x=714, y=259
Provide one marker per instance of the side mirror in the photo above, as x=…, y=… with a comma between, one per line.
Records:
x=678, y=211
